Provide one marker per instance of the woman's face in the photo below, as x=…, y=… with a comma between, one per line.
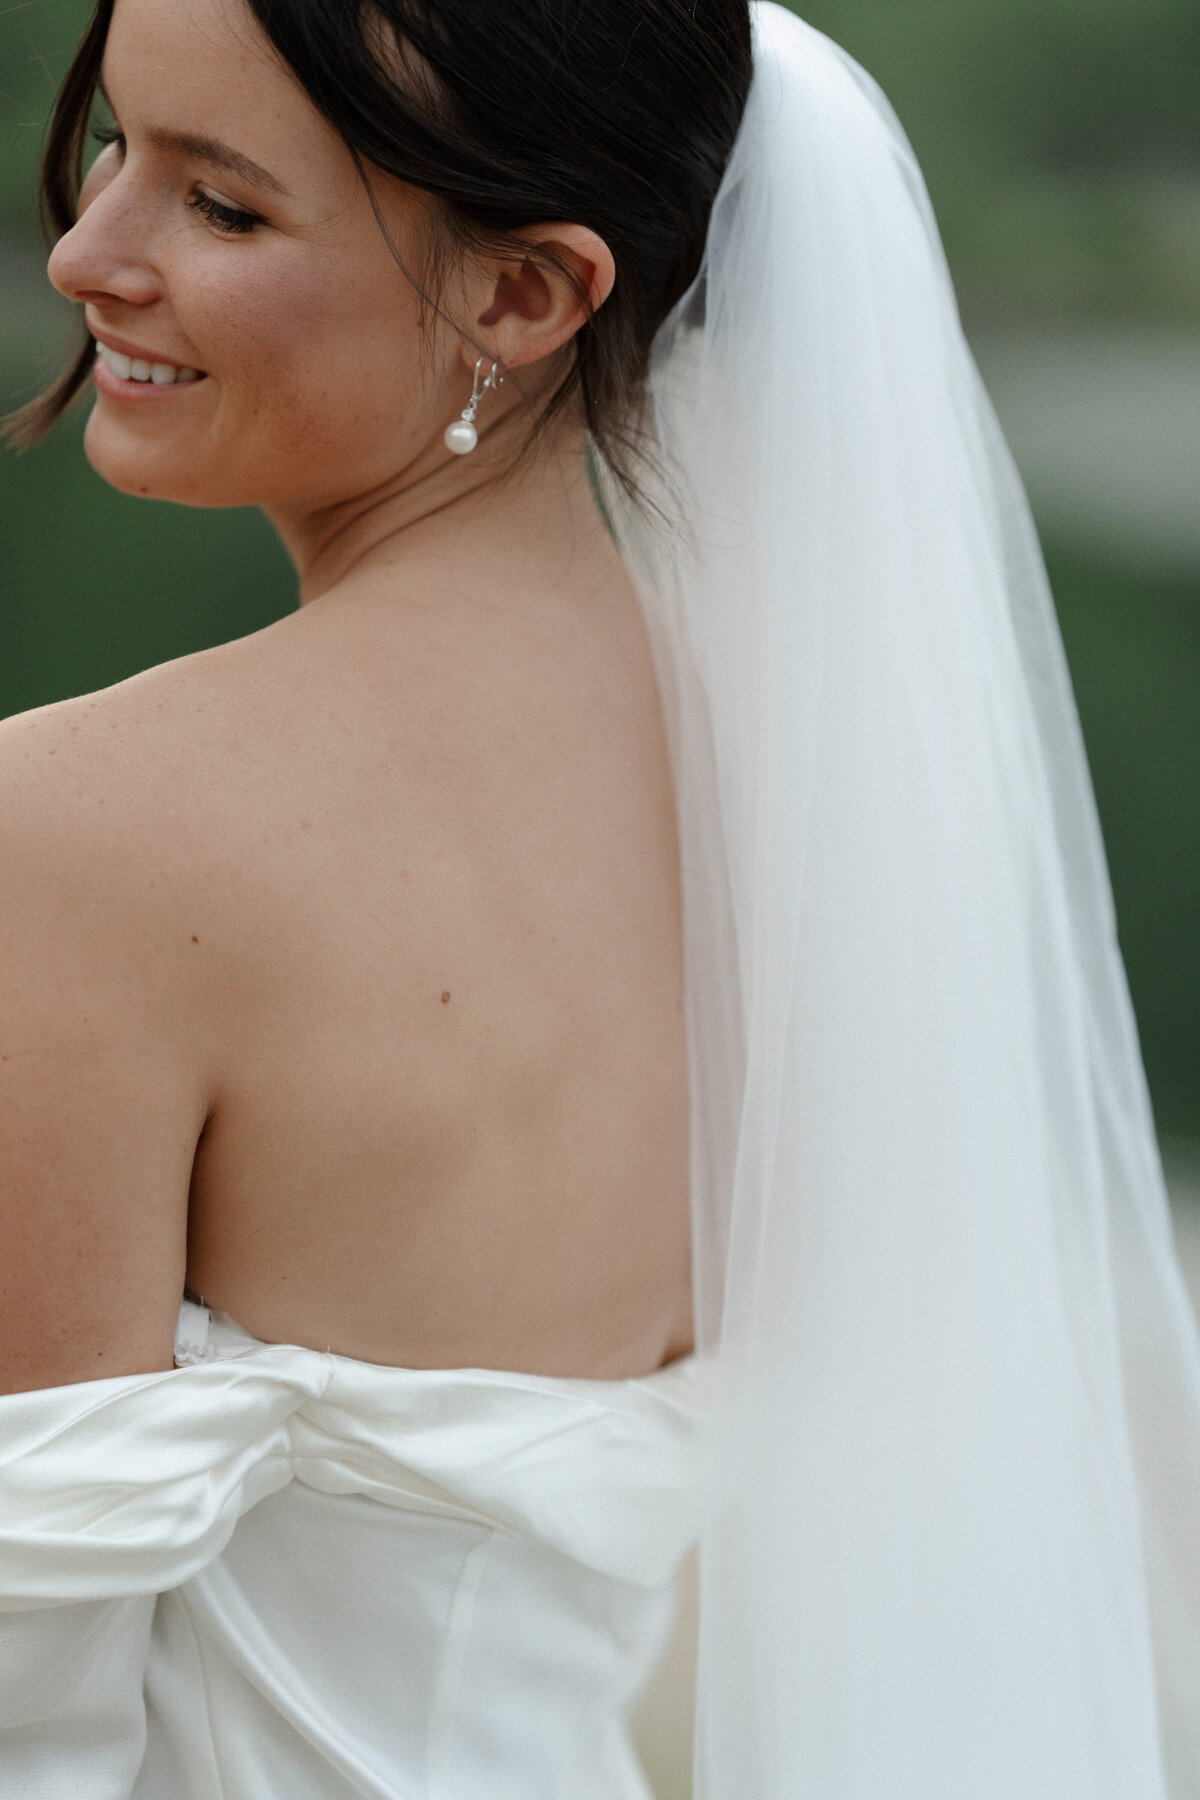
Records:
x=227, y=233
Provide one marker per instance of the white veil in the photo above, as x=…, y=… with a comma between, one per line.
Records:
x=953, y=1542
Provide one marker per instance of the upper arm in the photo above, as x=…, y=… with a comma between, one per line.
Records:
x=102, y=1093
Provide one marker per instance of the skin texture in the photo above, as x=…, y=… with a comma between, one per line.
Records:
x=340, y=967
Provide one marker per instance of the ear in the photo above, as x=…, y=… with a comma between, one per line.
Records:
x=533, y=307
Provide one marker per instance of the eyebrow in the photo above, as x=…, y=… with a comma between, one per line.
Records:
x=209, y=150
x=221, y=156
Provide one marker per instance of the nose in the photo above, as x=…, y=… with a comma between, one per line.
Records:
x=102, y=258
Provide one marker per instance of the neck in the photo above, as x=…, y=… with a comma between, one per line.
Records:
x=331, y=544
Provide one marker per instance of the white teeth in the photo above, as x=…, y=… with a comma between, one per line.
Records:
x=136, y=368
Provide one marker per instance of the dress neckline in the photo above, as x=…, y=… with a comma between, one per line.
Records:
x=203, y=1334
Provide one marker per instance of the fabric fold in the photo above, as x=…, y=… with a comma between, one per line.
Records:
x=131, y=1485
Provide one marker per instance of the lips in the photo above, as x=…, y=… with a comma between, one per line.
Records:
x=139, y=369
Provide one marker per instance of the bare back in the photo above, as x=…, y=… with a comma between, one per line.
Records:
x=453, y=1126
x=406, y=865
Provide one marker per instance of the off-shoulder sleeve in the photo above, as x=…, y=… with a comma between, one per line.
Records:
x=130, y=1485
x=112, y=1492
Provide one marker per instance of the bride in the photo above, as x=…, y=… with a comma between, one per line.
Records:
x=610, y=1013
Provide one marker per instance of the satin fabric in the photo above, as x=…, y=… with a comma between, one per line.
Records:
x=270, y=1574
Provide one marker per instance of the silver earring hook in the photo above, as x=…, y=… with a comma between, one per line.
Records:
x=480, y=387
x=461, y=437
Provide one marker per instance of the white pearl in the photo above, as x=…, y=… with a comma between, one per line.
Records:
x=461, y=437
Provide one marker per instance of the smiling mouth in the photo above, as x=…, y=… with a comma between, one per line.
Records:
x=134, y=368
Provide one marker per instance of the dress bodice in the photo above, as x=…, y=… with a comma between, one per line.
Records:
x=274, y=1574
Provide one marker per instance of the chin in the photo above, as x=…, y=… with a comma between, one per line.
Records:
x=154, y=465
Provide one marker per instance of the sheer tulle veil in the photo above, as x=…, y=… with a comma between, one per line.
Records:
x=952, y=1548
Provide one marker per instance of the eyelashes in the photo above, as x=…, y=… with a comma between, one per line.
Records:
x=231, y=221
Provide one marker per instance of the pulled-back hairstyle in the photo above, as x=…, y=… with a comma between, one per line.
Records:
x=615, y=114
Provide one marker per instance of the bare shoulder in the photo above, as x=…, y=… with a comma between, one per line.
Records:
x=125, y=745
x=119, y=792
x=81, y=783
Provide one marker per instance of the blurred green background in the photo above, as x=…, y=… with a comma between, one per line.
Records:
x=1061, y=142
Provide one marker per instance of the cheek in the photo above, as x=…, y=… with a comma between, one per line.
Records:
x=324, y=377
x=324, y=363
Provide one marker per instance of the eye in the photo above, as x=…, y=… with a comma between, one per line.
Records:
x=228, y=219
x=104, y=135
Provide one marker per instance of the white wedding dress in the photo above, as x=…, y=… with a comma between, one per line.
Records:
x=273, y=1574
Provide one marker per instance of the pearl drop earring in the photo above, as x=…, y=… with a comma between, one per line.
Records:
x=462, y=437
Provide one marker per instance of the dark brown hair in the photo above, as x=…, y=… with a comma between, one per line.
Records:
x=615, y=114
